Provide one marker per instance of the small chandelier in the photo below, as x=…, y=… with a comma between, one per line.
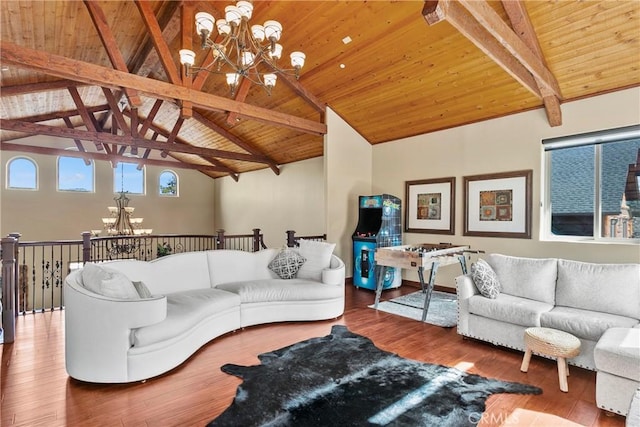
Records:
x=241, y=48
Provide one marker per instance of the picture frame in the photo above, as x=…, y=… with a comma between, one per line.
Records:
x=498, y=204
x=430, y=206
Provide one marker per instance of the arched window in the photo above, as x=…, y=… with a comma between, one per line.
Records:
x=128, y=178
x=22, y=173
x=168, y=183
x=75, y=175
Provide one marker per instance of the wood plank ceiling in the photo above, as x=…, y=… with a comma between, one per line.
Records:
x=412, y=67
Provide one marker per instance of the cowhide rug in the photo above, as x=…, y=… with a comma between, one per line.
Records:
x=343, y=379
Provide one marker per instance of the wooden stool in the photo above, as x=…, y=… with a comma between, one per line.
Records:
x=552, y=343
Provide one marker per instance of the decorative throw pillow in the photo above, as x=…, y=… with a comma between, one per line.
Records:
x=485, y=279
x=318, y=256
x=286, y=263
x=108, y=282
x=142, y=289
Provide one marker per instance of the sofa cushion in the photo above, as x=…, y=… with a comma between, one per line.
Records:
x=485, y=279
x=108, y=282
x=618, y=353
x=586, y=324
x=282, y=290
x=287, y=263
x=509, y=308
x=318, y=257
x=184, y=310
x=532, y=278
x=226, y=265
x=609, y=288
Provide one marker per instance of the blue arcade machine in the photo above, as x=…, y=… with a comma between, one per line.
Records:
x=379, y=225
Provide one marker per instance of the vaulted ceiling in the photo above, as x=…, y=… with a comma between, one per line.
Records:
x=104, y=77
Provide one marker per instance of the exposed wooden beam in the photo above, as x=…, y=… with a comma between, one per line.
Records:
x=493, y=23
x=78, y=143
x=114, y=158
x=59, y=66
x=37, y=87
x=87, y=118
x=159, y=131
x=302, y=92
x=107, y=138
x=149, y=19
x=117, y=114
x=149, y=119
x=186, y=30
x=62, y=114
x=241, y=95
x=460, y=19
x=109, y=42
x=523, y=27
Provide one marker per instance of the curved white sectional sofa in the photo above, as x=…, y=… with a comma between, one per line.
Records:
x=195, y=297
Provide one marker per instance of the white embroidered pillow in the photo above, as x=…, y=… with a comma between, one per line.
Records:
x=318, y=256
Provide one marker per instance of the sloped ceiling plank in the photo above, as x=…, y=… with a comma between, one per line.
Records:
x=239, y=142
x=491, y=22
x=522, y=25
x=109, y=42
x=457, y=16
x=108, y=138
x=63, y=67
x=160, y=44
x=106, y=157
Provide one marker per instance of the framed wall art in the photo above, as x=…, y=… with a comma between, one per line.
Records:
x=430, y=206
x=498, y=205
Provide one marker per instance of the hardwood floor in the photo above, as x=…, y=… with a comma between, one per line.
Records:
x=36, y=390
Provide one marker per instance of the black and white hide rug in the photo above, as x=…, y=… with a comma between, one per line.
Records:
x=343, y=379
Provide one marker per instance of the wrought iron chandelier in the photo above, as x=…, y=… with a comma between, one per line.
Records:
x=240, y=50
x=120, y=222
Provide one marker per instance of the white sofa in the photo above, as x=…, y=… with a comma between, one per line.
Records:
x=195, y=297
x=584, y=299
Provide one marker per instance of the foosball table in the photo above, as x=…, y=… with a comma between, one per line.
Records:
x=419, y=257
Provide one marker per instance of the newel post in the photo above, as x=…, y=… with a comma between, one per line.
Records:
x=9, y=283
x=16, y=251
x=291, y=238
x=220, y=239
x=86, y=247
x=256, y=239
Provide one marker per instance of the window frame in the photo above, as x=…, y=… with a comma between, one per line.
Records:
x=8, y=174
x=143, y=172
x=177, y=194
x=598, y=139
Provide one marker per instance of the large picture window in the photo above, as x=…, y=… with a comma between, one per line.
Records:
x=74, y=174
x=592, y=183
x=128, y=178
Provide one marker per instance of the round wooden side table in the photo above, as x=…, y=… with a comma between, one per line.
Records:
x=552, y=343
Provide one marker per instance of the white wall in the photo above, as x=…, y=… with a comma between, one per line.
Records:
x=293, y=200
x=506, y=144
x=348, y=166
x=48, y=214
